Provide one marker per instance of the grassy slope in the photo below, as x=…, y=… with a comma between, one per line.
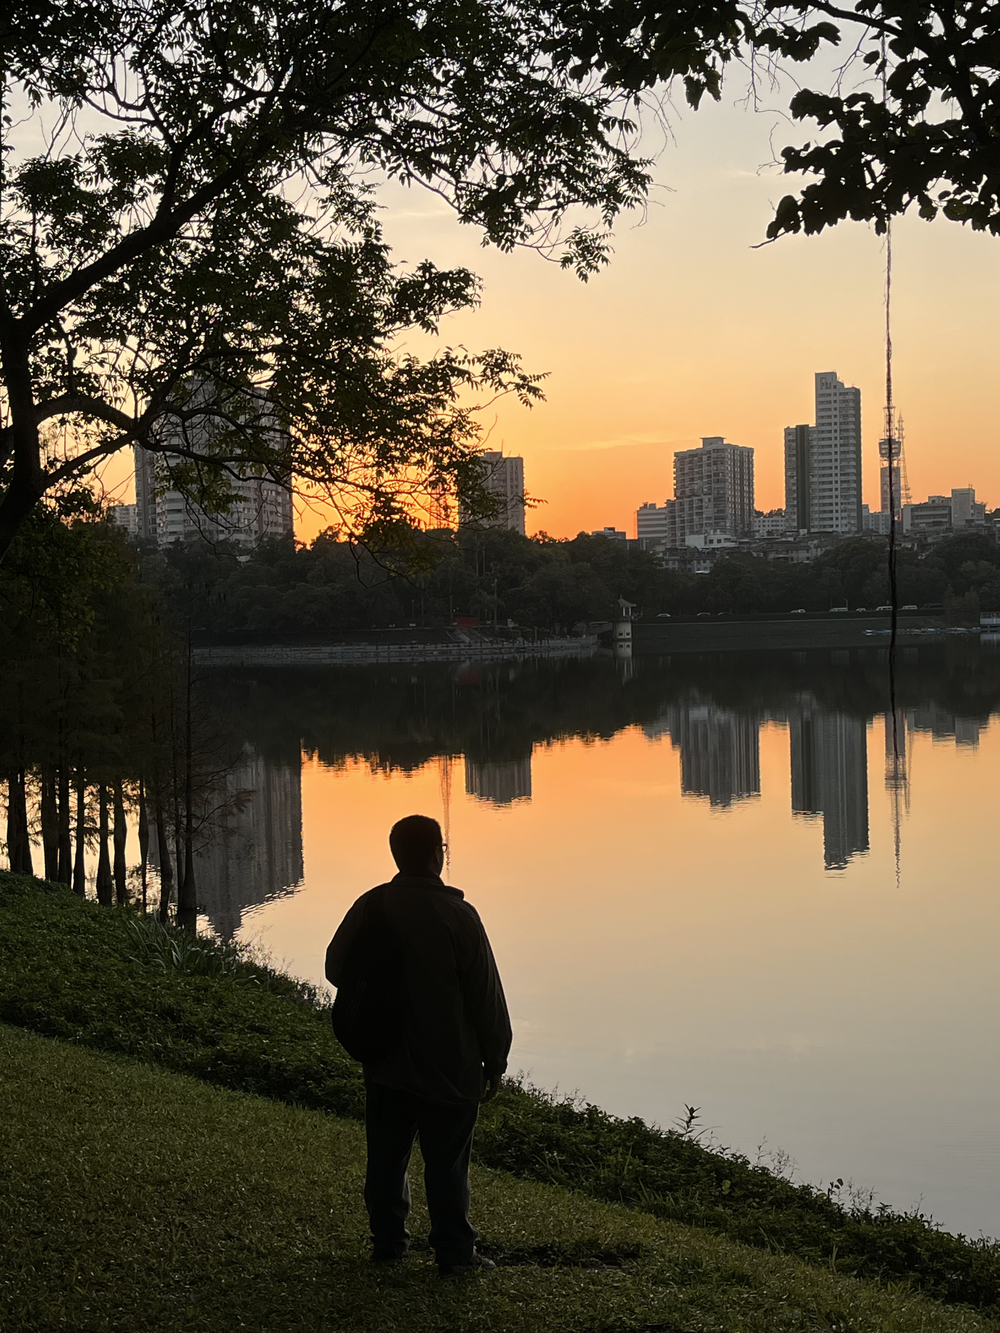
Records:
x=138, y=1199
x=71, y=970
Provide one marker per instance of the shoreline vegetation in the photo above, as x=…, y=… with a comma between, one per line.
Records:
x=112, y=982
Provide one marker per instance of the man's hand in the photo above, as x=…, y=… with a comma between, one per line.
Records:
x=492, y=1087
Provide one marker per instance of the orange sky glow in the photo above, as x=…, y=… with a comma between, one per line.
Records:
x=692, y=331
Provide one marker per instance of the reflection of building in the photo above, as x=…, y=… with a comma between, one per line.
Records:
x=499, y=782
x=720, y=751
x=256, y=854
x=945, y=726
x=829, y=754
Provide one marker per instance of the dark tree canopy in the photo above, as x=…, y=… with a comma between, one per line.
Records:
x=924, y=131
x=191, y=254
x=192, y=261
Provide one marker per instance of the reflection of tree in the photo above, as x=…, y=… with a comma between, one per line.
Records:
x=100, y=717
x=395, y=717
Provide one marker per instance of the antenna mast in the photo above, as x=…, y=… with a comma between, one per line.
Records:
x=904, y=482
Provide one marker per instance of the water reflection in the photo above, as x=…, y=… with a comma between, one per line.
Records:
x=500, y=783
x=693, y=881
x=720, y=751
x=944, y=725
x=829, y=761
x=255, y=854
x=710, y=710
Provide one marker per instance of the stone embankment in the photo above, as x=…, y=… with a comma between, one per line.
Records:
x=781, y=633
x=477, y=649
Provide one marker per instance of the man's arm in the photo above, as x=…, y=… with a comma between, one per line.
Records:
x=341, y=944
x=483, y=992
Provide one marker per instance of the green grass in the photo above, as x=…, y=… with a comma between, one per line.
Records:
x=98, y=978
x=135, y=1199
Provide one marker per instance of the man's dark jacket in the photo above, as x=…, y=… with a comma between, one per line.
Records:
x=456, y=1029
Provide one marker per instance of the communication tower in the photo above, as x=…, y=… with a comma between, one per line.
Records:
x=893, y=470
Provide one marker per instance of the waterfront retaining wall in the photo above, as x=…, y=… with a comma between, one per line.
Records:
x=363, y=654
x=724, y=636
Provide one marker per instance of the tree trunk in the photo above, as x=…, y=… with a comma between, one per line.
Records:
x=121, y=833
x=143, y=841
x=79, y=865
x=50, y=824
x=25, y=484
x=105, y=884
x=176, y=799
x=18, y=842
x=64, y=872
x=187, y=903
x=163, y=853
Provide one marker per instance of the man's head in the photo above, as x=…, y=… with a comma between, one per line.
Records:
x=417, y=846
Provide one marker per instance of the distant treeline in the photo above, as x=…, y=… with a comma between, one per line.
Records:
x=330, y=587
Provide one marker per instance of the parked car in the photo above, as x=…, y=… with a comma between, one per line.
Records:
x=663, y=615
x=883, y=608
x=799, y=611
x=910, y=606
x=840, y=608
x=862, y=608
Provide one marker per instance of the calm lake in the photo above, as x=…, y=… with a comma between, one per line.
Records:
x=708, y=882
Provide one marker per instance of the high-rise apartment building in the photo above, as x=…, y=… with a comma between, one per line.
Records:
x=823, y=462
x=260, y=507
x=652, y=524
x=503, y=478
x=798, y=484
x=713, y=491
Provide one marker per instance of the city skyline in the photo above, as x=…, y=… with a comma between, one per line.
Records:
x=691, y=331
x=714, y=491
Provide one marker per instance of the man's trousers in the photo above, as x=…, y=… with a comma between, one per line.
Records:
x=393, y=1120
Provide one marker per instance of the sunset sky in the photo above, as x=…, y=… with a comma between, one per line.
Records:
x=691, y=331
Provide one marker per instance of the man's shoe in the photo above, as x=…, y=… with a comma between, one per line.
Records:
x=477, y=1264
x=387, y=1255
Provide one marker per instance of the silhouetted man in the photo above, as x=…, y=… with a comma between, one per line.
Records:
x=450, y=1051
